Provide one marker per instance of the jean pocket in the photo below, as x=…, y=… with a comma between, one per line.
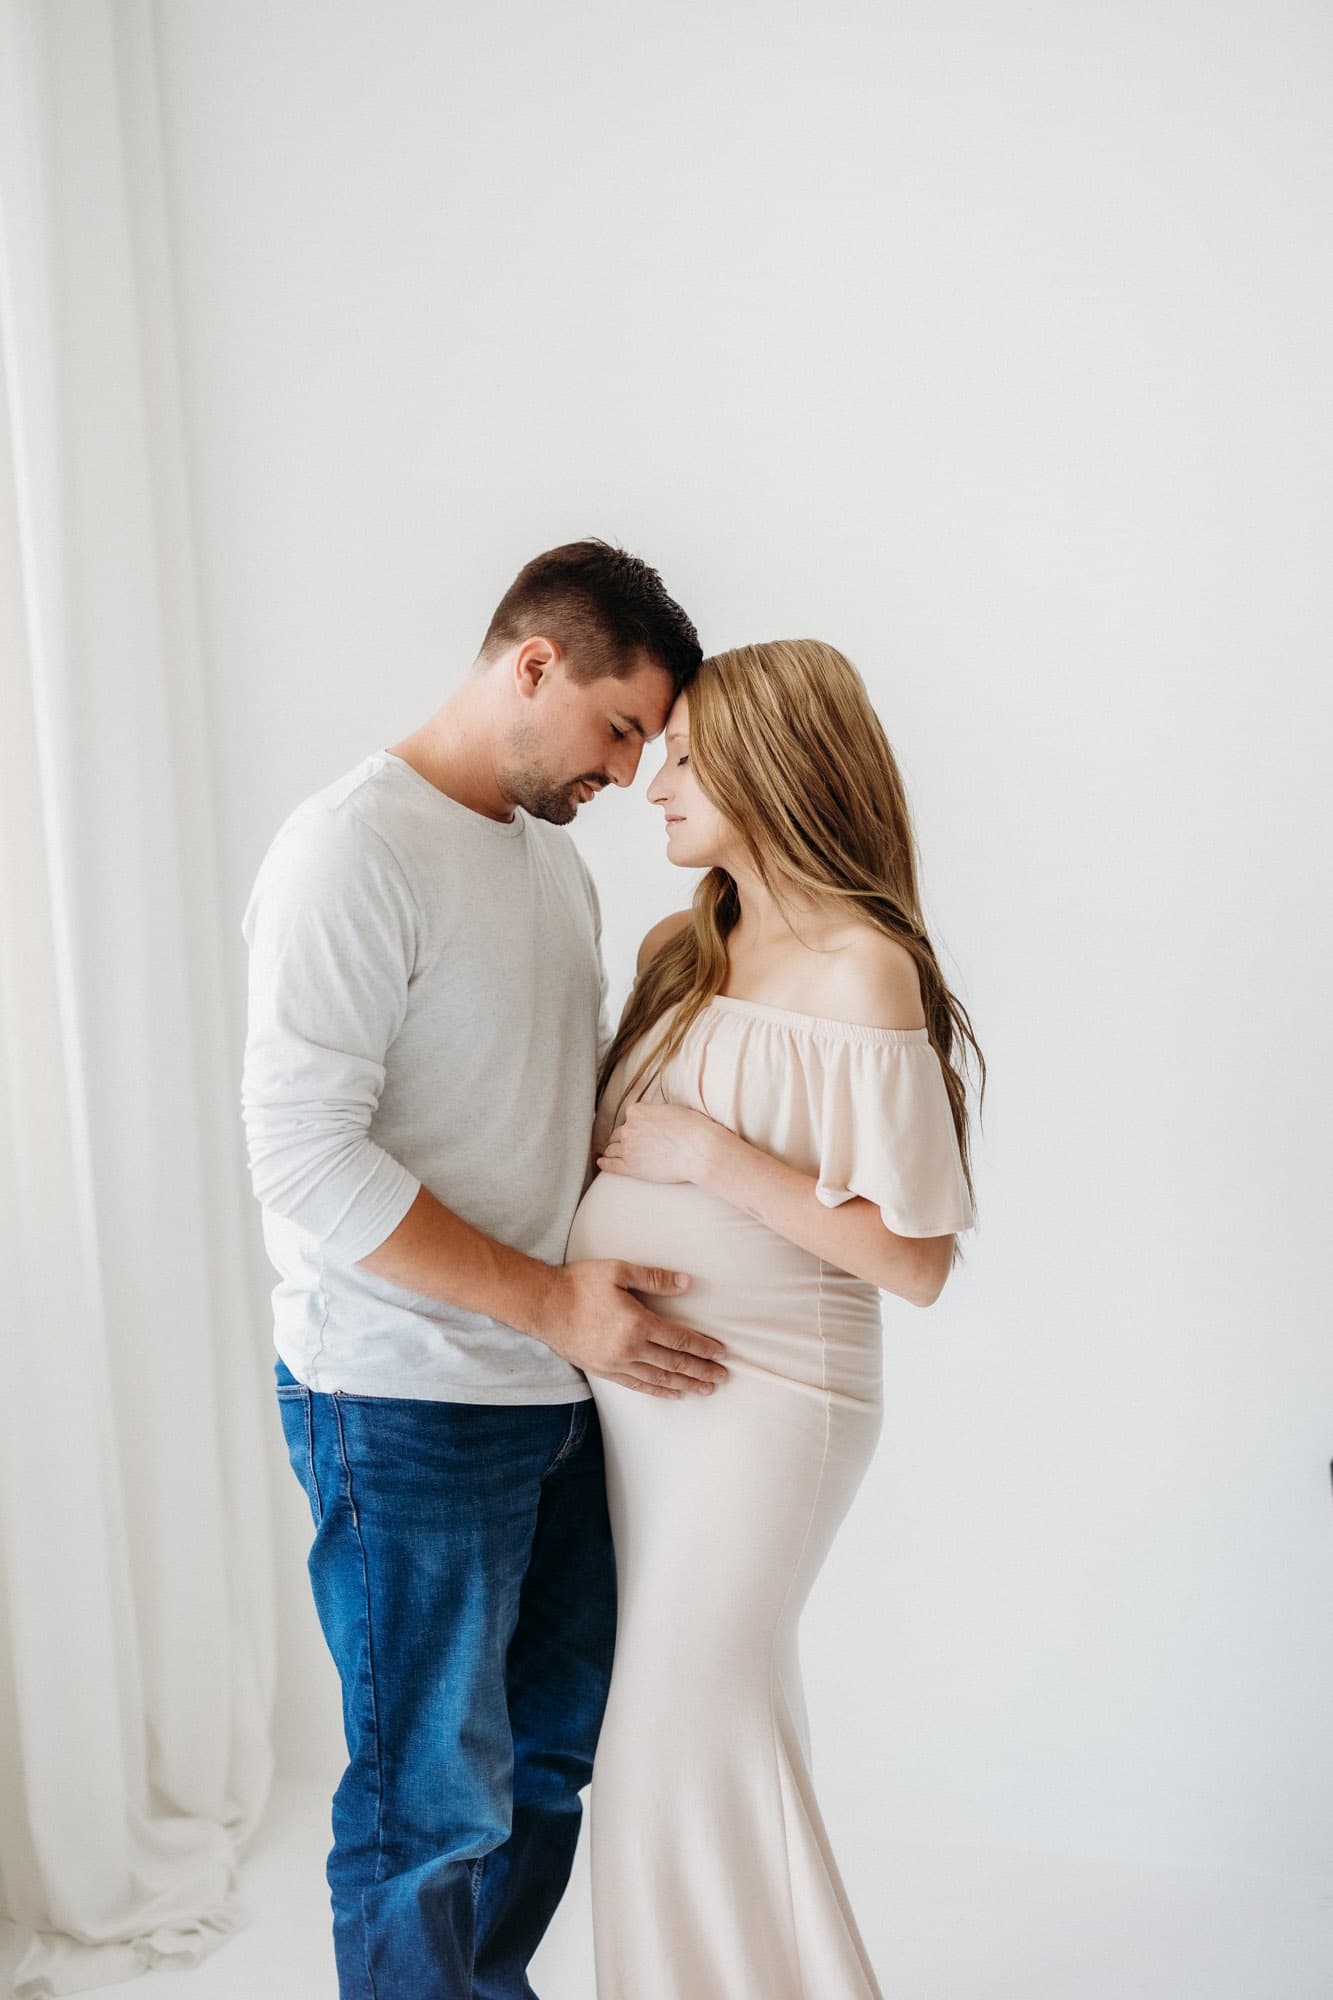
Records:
x=297, y=1429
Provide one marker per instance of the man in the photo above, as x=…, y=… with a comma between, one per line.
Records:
x=427, y=1007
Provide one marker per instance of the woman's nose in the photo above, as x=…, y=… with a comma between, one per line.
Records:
x=659, y=791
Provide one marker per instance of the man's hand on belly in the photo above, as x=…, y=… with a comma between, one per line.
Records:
x=586, y=1310
x=589, y=1313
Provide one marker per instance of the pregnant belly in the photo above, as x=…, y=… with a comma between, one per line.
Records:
x=775, y=1305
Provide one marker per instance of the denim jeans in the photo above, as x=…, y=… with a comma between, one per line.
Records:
x=464, y=1577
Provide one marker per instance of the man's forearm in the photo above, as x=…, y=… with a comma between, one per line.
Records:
x=433, y=1251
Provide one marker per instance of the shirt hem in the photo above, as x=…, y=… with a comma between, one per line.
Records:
x=417, y=1390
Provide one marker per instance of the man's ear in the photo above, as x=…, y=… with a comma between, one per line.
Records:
x=533, y=663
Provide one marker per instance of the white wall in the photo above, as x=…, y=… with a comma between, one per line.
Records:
x=989, y=343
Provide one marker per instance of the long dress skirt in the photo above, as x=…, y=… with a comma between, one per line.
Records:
x=713, y=1876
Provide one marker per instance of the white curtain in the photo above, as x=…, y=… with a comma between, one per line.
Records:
x=137, y=1632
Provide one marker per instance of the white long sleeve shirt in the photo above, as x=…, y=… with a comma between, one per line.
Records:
x=427, y=1003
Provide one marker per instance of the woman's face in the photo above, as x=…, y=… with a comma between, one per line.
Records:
x=697, y=834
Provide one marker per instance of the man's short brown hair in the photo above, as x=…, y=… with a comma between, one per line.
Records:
x=603, y=607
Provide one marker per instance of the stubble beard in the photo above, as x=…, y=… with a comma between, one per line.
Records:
x=530, y=785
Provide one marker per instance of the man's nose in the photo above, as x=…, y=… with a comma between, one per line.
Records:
x=625, y=762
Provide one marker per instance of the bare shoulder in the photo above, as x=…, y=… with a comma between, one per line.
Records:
x=873, y=979
x=662, y=934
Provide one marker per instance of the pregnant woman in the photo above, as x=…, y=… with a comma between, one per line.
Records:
x=780, y=1116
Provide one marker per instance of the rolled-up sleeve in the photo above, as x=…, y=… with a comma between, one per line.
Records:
x=332, y=930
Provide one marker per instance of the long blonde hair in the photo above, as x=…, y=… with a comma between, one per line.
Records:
x=785, y=743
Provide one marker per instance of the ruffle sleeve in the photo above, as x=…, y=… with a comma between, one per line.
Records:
x=887, y=1133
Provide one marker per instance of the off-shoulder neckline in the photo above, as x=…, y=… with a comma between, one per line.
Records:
x=817, y=1023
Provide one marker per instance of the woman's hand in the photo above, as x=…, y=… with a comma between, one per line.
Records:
x=661, y=1142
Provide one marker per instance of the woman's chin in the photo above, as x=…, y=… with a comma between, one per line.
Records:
x=680, y=855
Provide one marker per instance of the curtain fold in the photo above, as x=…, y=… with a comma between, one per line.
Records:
x=136, y=1639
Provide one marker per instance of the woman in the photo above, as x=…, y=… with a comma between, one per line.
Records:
x=779, y=1116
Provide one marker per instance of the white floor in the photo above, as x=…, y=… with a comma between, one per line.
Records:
x=941, y=1924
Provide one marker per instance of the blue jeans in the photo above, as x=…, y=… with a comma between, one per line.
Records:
x=464, y=1576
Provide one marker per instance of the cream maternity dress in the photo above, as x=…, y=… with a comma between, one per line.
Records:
x=712, y=1873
